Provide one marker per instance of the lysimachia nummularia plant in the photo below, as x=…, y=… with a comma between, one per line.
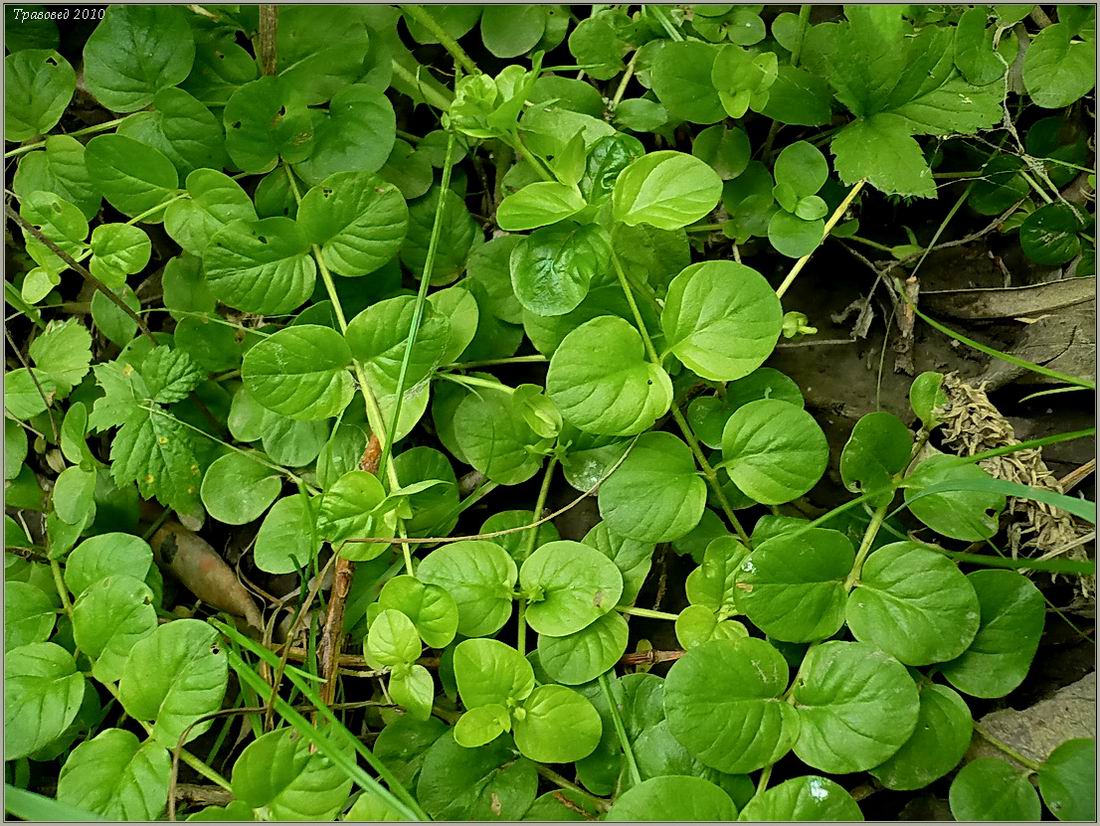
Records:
x=320, y=316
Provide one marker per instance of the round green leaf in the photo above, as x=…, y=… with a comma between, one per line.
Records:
x=681, y=77
x=357, y=135
x=793, y=236
x=481, y=725
x=1012, y=616
x=773, y=451
x=265, y=119
x=132, y=176
x=392, y=640
x=480, y=576
x=29, y=615
x=485, y=783
x=673, y=797
x=656, y=494
x=287, y=539
x=552, y=268
x=807, y=798
x=173, y=677
x=118, y=250
x=42, y=695
x=457, y=234
x=878, y=449
x=1058, y=69
x=857, y=705
x=941, y=738
x=618, y=394
x=712, y=584
x=496, y=439
x=802, y=167
x=570, y=586
x=358, y=220
x=59, y=168
x=300, y=372
x=792, y=586
x=1067, y=780
x=104, y=555
x=260, y=266
x=1049, y=235
x=724, y=703
x=117, y=777
x=490, y=672
x=632, y=558
x=971, y=515
x=110, y=618
x=665, y=189
x=698, y=624
x=348, y=510
x=721, y=319
x=914, y=604
x=277, y=772
x=584, y=655
x=40, y=84
x=378, y=337
x=237, y=489
x=182, y=128
x=431, y=609
x=726, y=150
x=216, y=201
x=509, y=31
x=556, y=725
x=490, y=268
x=991, y=789
x=537, y=205
x=136, y=51
x=73, y=495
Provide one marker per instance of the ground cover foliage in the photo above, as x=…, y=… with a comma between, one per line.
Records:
x=314, y=311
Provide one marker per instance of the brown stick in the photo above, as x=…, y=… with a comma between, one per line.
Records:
x=332, y=636
x=269, y=28
x=1075, y=477
x=651, y=657
x=71, y=262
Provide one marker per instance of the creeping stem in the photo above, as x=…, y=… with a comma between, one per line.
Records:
x=529, y=546
x=708, y=471
x=834, y=219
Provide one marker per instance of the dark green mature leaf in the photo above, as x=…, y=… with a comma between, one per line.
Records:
x=913, y=603
x=940, y=739
x=879, y=447
x=496, y=439
x=552, y=268
x=990, y=789
x=116, y=776
x=809, y=798
x=857, y=707
x=1057, y=68
x=59, y=167
x=40, y=84
x=674, y=797
x=181, y=128
x=619, y=394
x=792, y=587
x=278, y=773
x=723, y=701
x=135, y=52
x=260, y=266
x=681, y=77
x=486, y=783
x=655, y=495
x=265, y=120
x=960, y=514
x=132, y=176
x=42, y=695
x=300, y=372
x=109, y=618
x=357, y=219
x=357, y=135
x=1012, y=617
x=1067, y=780
x=458, y=236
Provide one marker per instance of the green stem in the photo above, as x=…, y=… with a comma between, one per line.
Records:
x=875, y=245
x=62, y=591
x=431, y=96
x=666, y=24
x=865, y=546
x=533, y=160
x=568, y=785
x=1004, y=747
x=87, y=130
x=834, y=219
x=620, y=730
x=621, y=89
x=704, y=227
x=709, y=472
x=474, y=381
x=472, y=365
x=418, y=307
x=803, y=19
x=529, y=542
x=153, y=210
x=649, y=613
x=422, y=16
x=375, y=419
x=16, y=300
